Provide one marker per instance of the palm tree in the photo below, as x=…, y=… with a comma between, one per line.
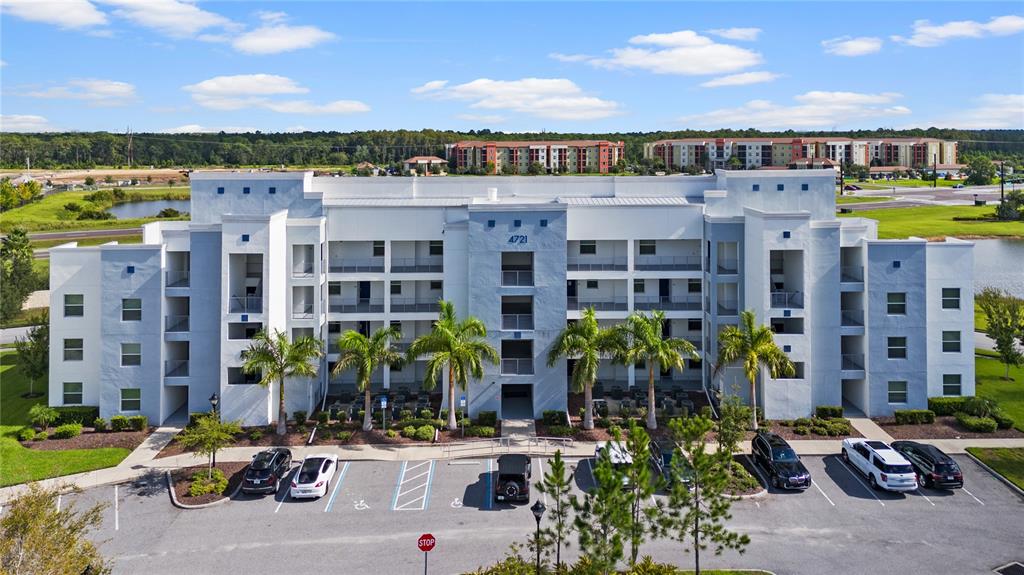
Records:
x=586, y=342
x=365, y=355
x=275, y=358
x=460, y=346
x=645, y=342
x=755, y=346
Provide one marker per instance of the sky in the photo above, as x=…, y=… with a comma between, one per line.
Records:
x=180, y=66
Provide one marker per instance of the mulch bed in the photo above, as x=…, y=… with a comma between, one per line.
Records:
x=787, y=433
x=90, y=439
x=945, y=427
x=182, y=479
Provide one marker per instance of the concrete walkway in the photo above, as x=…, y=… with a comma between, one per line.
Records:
x=518, y=428
x=149, y=448
x=869, y=429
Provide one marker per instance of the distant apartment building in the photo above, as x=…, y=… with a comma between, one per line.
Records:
x=754, y=153
x=566, y=156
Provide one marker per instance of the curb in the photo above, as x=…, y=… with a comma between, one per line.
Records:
x=757, y=495
x=180, y=505
x=1013, y=487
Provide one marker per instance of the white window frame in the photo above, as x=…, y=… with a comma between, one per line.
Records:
x=69, y=305
x=125, y=309
x=125, y=355
x=378, y=244
x=958, y=342
x=889, y=347
x=959, y=384
x=905, y=392
x=650, y=245
x=889, y=304
x=435, y=248
x=591, y=247
x=123, y=399
x=954, y=299
x=65, y=393
x=80, y=349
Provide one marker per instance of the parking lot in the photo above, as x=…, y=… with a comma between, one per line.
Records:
x=374, y=511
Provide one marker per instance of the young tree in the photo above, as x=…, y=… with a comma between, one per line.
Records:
x=535, y=169
x=17, y=280
x=42, y=416
x=208, y=436
x=645, y=341
x=731, y=426
x=365, y=355
x=600, y=514
x=276, y=358
x=753, y=346
x=642, y=520
x=36, y=537
x=557, y=485
x=459, y=345
x=1005, y=315
x=34, y=355
x=980, y=171
x=586, y=342
x=696, y=512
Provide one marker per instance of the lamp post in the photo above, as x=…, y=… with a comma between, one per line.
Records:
x=538, y=510
x=214, y=401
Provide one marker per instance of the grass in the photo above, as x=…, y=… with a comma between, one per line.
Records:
x=980, y=320
x=49, y=213
x=1007, y=461
x=841, y=200
x=938, y=221
x=988, y=375
x=90, y=241
x=912, y=183
x=20, y=465
x=41, y=267
x=25, y=317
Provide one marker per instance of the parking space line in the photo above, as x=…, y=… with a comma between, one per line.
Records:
x=398, y=486
x=404, y=479
x=337, y=485
x=540, y=466
x=972, y=495
x=430, y=483
x=862, y=484
x=489, y=495
x=921, y=493
x=827, y=498
x=117, y=512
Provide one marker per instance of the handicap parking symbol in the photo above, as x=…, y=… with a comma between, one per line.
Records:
x=360, y=505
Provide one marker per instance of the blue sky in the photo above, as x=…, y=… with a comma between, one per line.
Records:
x=180, y=66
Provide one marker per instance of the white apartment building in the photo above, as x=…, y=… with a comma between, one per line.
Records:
x=152, y=328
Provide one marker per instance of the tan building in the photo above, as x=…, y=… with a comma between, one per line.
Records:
x=555, y=156
x=424, y=164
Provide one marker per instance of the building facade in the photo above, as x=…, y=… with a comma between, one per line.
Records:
x=559, y=156
x=160, y=326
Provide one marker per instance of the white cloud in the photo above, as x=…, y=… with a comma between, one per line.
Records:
x=741, y=79
x=744, y=34
x=271, y=17
x=94, y=91
x=928, y=35
x=482, y=118
x=277, y=38
x=198, y=129
x=24, y=123
x=305, y=107
x=569, y=57
x=174, y=18
x=245, y=91
x=551, y=98
x=991, y=111
x=847, y=46
x=816, y=109
x=429, y=86
x=63, y=13
x=684, y=52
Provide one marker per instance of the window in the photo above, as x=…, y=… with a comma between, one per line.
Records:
x=131, y=399
x=130, y=270
x=396, y=288
x=436, y=248
x=638, y=286
x=951, y=384
x=896, y=303
x=693, y=325
x=804, y=187
x=396, y=324
x=517, y=223
x=647, y=247
x=72, y=393
x=334, y=288
x=950, y=298
x=543, y=223
x=951, y=342
x=245, y=237
x=131, y=309
x=896, y=264
x=378, y=249
x=780, y=187
x=787, y=234
x=897, y=348
x=693, y=286
x=131, y=354
x=436, y=285
x=272, y=190
x=897, y=392
x=73, y=350
x=757, y=187
x=588, y=247
x=591, y=284
x=334, y=327
x=490, y=223
x=220, y=190
x=245, y=190
x=74, y=305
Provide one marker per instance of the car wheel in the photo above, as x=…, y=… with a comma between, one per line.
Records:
x=922, y=480
x=775, y=482
x=872, y=482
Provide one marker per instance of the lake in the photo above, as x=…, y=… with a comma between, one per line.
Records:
x=1000, y=264
x=147, y=209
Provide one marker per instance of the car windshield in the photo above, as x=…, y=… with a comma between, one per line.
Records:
x=948, y=467
x=310, y=470
x=784, y=455
x=262, y=461
x=899, y=468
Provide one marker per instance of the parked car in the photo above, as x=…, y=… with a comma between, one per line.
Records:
x=314, y=476
x=958, y=187
x=266, y=471
x=514, y=473
x=851, y=188
x=884, y=467
x=619, y=456
x=934, y=468
x=662, y=455
x=777, y=458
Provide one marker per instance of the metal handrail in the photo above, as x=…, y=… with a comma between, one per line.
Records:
x=667, y=263
x=302, y=270
x=666, y=303
x=852, y=317
x=517, y=277
x=351, y=265
x=409, y=265
x=728, y=265
x=614, y=304
x=729, y=306
x=588, y=264
x=176, y=323
x=302, y=311
x=177, y=278
x=784, y=299
x=851, y=273
x=355, y=306
x=176, y=368
x=517, y=366
x=246, y=304
x=514, y=321
x=407, y=305
x=853, y=361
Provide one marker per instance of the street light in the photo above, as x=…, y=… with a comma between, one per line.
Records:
x=538, y=510
x=214, y=401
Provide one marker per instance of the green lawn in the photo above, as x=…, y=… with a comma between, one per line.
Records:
x=25, y=317
x=980, y=321
x=938, y=221
x=988, y=373
x=18, y=464
x=91, y=241
x=49, y=213
x=912, y=183
x=841, y=200
x=1007, y=461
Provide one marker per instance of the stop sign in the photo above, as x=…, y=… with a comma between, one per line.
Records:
x=426, y=542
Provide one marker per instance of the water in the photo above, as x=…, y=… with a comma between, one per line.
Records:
x=1000, y=264
x=147, y=209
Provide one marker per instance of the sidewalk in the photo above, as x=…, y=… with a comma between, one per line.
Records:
x=870, y=430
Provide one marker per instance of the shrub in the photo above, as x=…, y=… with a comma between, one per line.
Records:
x=42, y=416
x=255, y=435
x=323, y=417
x=443, y=414
x=138, y=422
x=405, y=414
x=409, y=431
x=480, y=431
x=802, y=422
x=391, y=433
x=487, y=418
x=299, y=417
x=425, y=413
x=946, y=405
x=614, y=431
x=41, y=436
x=202, y=485
x=914, y=416
x=437, y=423
x=26, y=434
x=801, y=430
x=67, y=431
x=77, y=414
x=625, y=411
x=194, y=416
x=425, y=433
x=553, y=417
x=99, y=424
x=977, y=424
x=560, y=431
x=1003, y=421
x=73, y=207
x=119, y=423
x=343, y=436
x=301, y=429
x=828, y=411
x=602, y=422
x=978, y=406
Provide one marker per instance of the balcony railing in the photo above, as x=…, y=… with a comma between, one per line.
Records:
x=667, y=303
x=177, y=278
x=787, y=299
x=353, y=265
x=595, y=264
x=246, y=304
x=517, y=277
x=853, y=361
x=176, y=368
x=176, y=323
x=728, y=306
x=613, y=304
x=410, y=305
x=852, y=317
x=728, y=265
x=851, y=273
x=666, y=263
x=517, y=321
x=302, y=270
x=356, y=306
x=410, y=265
x=522, y=366
x=302, y=311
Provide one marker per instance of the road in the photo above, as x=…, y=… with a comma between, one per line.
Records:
x=911, y=197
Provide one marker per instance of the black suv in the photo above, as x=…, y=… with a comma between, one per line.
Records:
x=514, y=472
x=934, y=468
x=783, y=465
x=267, y=470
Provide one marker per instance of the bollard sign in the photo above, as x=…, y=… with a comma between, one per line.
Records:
x=426, y=542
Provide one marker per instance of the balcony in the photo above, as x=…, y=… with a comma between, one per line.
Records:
x=247, y=304
x=302, y=270
x=411, y=305
x=176, y=368
x=667, y=263
x=786, y=299
x=176, y=323
x=517, y=366
x=612, y=304
x=728, y=306
x=667, y=303
x=852, y=318
x=728, y=265
x=853, y=362
x=517, y=321
x=851, y=274
x=433, y=264
x=517, y=277
x=353, y=265
x=302, y=311
x=177, y=278
x=356, y=306
x=588, y=264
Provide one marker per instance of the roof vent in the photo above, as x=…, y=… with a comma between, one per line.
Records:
x=492, y=194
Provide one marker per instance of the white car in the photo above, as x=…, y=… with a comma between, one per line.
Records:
x=314, y=476
x=884, y=467
x=620, y=458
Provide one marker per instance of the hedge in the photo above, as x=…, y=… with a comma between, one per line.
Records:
x=977, y=424
x=138, y=422
x=559, y=431
x=1002, y=420
x=26, y=434
x=425, y=433
x=946, y=405
x=436, y=423
x=553, y=417
x=480, y=431
x=828, y=411
x=67, y=431
x=487, y=418
x=119, y=423
x=914, y=416
x=99, y=424
x=83, y=415
x=201, y=485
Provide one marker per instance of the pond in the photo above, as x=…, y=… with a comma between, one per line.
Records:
x=1000, y=264
x=147, y=209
